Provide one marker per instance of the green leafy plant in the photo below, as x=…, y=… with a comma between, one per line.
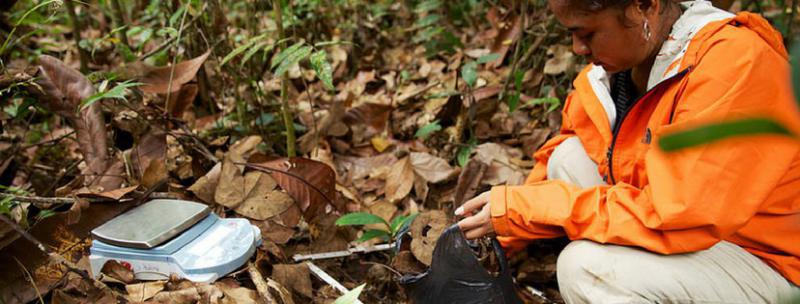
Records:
x=426, y=130
x=551, y=102
x=363, y=218
x=469, y=71
x=117, y=92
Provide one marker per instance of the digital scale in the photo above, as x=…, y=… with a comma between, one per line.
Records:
x=166, y=236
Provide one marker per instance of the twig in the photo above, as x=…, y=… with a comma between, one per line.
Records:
x=261, y=285
x=76, y=34
x=199, y=146
x=322, y=275
x=46, y=201
x=517, y=49
x=342, y=253
x=175, y=60
x=169, y=41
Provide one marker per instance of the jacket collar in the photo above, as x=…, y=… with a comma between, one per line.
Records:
x=696, y=15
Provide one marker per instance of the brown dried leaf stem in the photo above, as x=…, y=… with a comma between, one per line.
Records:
x=261, y=284
x=47, y=201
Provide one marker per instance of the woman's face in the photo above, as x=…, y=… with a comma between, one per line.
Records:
x=602, y=36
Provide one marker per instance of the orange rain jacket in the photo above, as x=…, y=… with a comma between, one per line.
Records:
x=745, y=190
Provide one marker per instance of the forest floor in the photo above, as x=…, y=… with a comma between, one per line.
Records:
x=402, y=110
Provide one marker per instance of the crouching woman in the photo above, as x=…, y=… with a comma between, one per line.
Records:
x=713, y=224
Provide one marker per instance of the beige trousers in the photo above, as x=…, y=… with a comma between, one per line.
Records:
x=589, y=272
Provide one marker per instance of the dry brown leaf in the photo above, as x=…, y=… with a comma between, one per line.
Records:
x=283, y=294
x=406, y=263
x=425, y=231
x=114, y=195
x=431, y=168
x=230, y=189
x=384, y=210
x=256, y=203
x=62, y=89
x=155, y=173
x=205, y=187
x=532, y=142
x=275, y=232
x=421, y=188
x=74, y=213
x=509, y=34
x=295, y=277
x=372, y=114
x=157, y=80
x=152, y=147
x=469, y=181
x=144, y=291
x=561, y=61
x=400, y=180
x=180, y=102
x=183, y=296
x=115, y=270
x=246, y=146
x=239, y=295
x=312, y=184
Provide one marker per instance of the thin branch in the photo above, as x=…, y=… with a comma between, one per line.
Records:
x=169, y=41
x=261, y=284
x=47, y=201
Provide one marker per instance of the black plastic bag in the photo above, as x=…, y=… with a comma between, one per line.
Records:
x=456, y=275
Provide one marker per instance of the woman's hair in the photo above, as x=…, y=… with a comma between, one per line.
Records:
x=598, y=5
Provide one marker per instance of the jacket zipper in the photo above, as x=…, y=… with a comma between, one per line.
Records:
x=618, y=126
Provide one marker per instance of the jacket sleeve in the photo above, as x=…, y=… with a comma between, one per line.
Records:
x=693, y=198
x=539, y=173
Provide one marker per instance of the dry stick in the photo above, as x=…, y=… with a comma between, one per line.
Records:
x=288, y=120
x=517, y=49
x=169, y=41
x=174, y=61
x=45, y=201
x=54, y=257
x=261, y=284
x=76, y=34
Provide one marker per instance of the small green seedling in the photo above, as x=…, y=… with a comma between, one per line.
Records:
x=364, y=218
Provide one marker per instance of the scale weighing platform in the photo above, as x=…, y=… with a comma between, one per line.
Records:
x=165, y=236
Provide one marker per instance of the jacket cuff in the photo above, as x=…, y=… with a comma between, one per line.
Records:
x=498, y=209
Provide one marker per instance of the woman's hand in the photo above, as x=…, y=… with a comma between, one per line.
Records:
x=478, y=224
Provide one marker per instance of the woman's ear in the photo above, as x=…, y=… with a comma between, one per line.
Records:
x=647, y=7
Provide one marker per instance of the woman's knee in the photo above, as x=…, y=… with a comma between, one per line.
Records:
x=570, y=162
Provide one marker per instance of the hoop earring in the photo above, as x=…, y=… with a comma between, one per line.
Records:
x=646, y=31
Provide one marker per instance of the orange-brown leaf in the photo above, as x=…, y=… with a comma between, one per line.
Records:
x=157, y=80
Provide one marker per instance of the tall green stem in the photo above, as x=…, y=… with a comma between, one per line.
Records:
x=76, y=34
x=288, y=120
